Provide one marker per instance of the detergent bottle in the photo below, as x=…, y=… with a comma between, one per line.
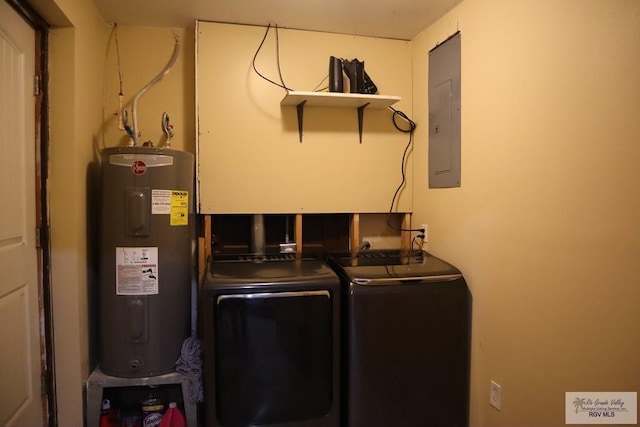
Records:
x=152, y=410
x=173, y=417
x=107, y=415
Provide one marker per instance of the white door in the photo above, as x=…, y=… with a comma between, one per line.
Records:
x=20, y=395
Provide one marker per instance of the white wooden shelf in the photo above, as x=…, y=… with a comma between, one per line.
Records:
x=338, y=99
x=300, y=99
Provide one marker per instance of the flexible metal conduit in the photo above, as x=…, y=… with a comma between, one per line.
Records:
x=156, y=79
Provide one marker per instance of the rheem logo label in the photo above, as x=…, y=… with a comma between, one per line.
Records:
x=138, y=167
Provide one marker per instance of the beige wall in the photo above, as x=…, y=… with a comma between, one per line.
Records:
x=75, y=77
x=545, y=225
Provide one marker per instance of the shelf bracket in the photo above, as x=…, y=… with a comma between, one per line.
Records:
x=300, y=109
x=360, y=118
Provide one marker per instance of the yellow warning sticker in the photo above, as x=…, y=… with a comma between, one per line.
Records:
x=179, y=207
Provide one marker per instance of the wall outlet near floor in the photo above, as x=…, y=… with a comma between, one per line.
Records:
x=495, y=395
x=425, y=227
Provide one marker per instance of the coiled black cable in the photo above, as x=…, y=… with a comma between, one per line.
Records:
x=412, y=127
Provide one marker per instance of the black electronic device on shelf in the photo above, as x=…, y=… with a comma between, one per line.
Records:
x=359, y=80
x=336, y=82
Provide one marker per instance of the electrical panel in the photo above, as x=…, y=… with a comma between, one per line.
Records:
x=444, y=114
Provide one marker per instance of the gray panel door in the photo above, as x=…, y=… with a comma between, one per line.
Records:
x=444, y=114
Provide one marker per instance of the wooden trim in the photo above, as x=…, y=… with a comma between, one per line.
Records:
x=204, y=247
x=207, y=236
x=202, y=259
x=354, y=232
x=405, y=236
x=298, y=236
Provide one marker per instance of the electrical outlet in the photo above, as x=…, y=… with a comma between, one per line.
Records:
x=495, y=395
x=425, y=227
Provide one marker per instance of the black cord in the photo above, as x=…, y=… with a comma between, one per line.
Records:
x=115, y=35
x=412, y=127
x=278, y=56
x=412, y=124
x=323, y=88
x=281, y=84
x=413, y=243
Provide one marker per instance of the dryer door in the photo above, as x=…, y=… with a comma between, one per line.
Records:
x=273, y=357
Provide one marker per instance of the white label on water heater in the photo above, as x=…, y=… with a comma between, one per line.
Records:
x=137, y=271
x=160, y=202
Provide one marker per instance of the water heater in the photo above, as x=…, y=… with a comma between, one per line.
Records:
x=146, y=259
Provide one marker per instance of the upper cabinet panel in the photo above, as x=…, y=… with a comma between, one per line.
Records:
x=249, y=155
